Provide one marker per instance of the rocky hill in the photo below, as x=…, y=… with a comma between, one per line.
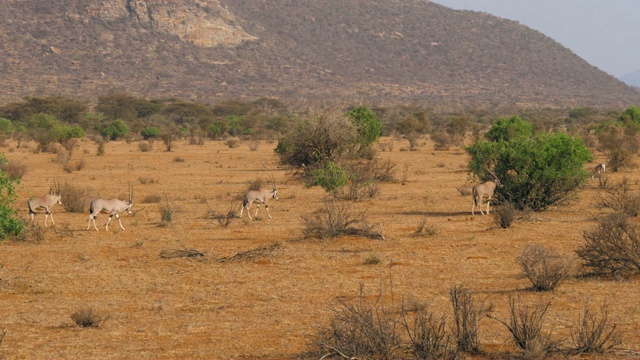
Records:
x=351, y=50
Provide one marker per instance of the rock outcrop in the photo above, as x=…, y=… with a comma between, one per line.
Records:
x=202, y=23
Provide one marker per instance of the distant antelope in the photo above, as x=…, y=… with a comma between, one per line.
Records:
x=45, y=202
x=259, y=196
x=111, y=207
x=480, y=191
x=599, y=171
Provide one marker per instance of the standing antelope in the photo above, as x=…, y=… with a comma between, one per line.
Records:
x=480, y=191
x=259, y=196
x=599, y=171
x=112, y=207
x=45, y=202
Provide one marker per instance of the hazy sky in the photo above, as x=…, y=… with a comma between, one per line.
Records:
x=606, y=33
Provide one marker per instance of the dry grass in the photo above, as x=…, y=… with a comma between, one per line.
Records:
x=267, y=307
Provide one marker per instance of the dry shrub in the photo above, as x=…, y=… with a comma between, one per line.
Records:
x=505, y=214
x=181, y=253
x=76, y=199
x=144, y=180
x=334, y=220
x=178, y=159
x=152, y=199
x=385, y=145
x=255, y=184
x=232, y=143
x=224, y=219
x=464, y=190
x=620, y=198
x=613, y=247
x=428, y=335
x=545, y=268
x=372, y=259
x=525, y=325
x=166, y=212
x=31, y=233
x=467, y=313
x=88, y=317
x=145, y=146
x=254, y=145
x=442, y=140
x=424, y=230
x=14, y=169
x=360, y=329
x=594, y=333
x=252, y=254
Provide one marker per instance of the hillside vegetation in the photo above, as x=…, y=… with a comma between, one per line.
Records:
x=380, y=51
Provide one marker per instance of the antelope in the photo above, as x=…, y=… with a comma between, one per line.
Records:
x=259, y=196
x=45, y=202
x=480, y=191
x=112, y=207
x=598, y=171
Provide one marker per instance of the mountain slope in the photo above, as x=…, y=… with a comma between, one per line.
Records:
x=375, y=50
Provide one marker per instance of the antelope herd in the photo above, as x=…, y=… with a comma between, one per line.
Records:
x=481, y=193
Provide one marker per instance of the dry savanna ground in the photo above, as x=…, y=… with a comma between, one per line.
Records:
x=268, y=305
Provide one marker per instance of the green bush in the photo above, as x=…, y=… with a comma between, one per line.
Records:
x=10, y=224
x=151, y=133
x=113, y=130
x=367, y=125
x=331, y=177
x=537, y=170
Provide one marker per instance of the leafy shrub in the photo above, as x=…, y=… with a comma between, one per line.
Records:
x=545, y=268
x=612, y=247
x=366, y=124
x=113, y=130
x=151, y=132
x=330, y=177
x=547, y=168
x=10, y=224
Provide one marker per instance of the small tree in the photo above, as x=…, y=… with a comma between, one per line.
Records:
x=366, y=123
x=537, y=171
x=316, y=140
x=10, y=225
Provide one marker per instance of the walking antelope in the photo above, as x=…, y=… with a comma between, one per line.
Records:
x=259, y=196
x=480, y=191
x=111, y=207
x=45, y=202
x=599, y=171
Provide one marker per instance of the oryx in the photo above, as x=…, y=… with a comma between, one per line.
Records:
x=111, y=207
x=259, y=196
x=45, y=202
x=599, y=171
x=482, y=191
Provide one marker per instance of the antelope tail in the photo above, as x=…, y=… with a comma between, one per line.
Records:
x=30, y=209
